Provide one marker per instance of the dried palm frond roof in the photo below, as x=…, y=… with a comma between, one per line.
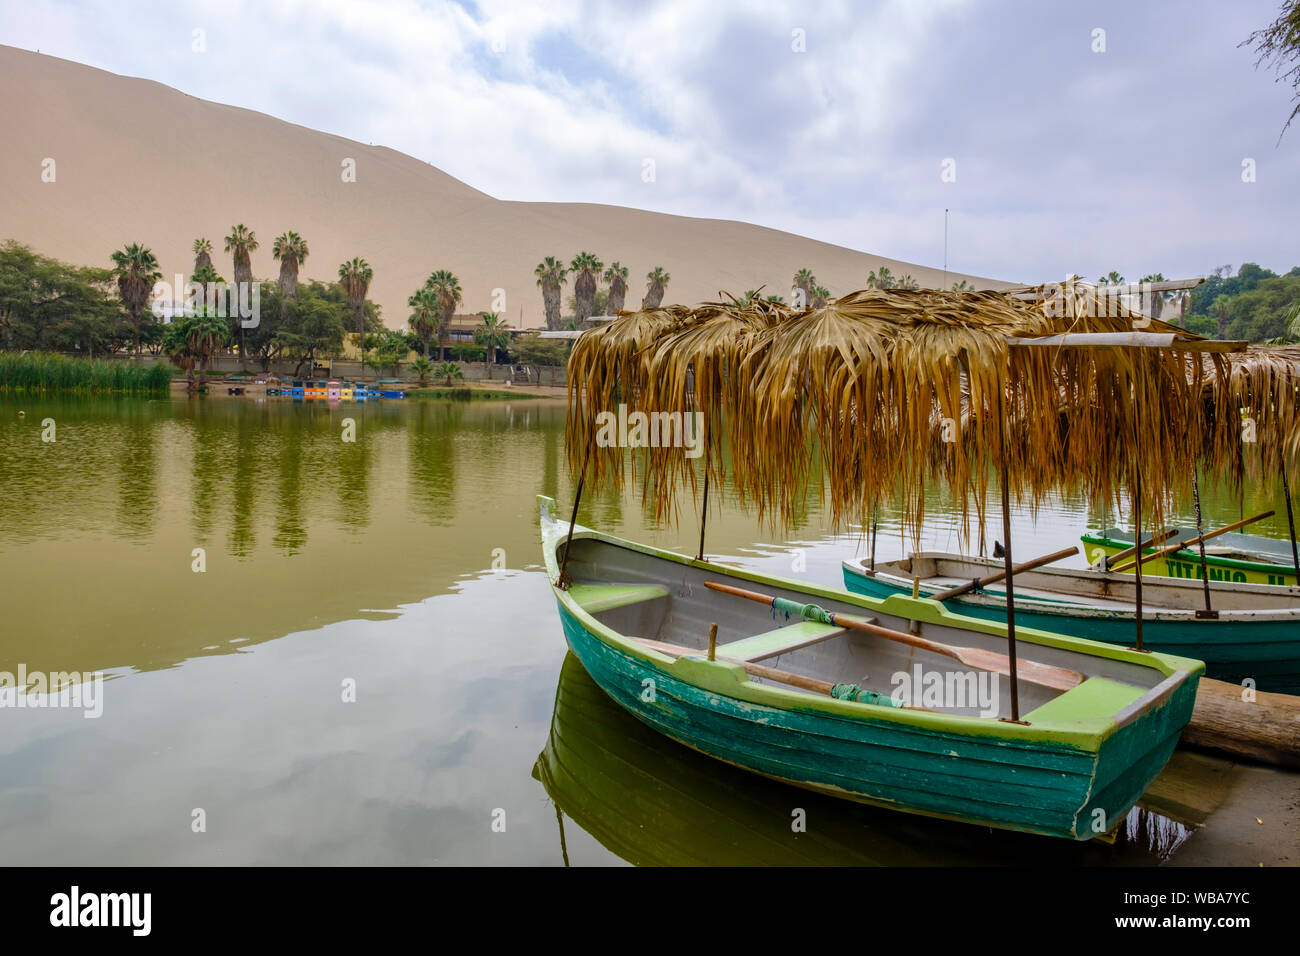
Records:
x=883, y=392
x=1255, y=399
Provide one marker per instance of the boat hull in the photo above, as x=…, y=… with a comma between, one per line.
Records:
x=1266, y=652
x=1037, y=787
x=1186, y=563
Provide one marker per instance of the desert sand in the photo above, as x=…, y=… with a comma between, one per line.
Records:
x=136, y=161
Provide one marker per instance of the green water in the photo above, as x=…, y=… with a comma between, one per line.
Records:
x=404, y=565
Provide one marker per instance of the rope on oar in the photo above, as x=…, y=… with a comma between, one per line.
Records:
x=855, y=693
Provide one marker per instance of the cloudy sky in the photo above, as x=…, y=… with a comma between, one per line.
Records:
x=1067, y=148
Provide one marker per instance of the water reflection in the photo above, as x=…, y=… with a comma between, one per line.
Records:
x=653, y=802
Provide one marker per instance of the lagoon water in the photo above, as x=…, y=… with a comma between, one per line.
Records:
x=365, y=670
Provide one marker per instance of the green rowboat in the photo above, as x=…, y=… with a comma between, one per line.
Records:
x=1072, y=768
x=1233, y=557
x=1255, y=634
x=652, y=802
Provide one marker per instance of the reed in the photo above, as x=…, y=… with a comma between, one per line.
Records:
x=34, y=372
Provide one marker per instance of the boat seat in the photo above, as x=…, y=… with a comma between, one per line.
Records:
x=594, y=598
x=782, y=640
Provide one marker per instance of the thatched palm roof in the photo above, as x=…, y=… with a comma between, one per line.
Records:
x=884, y=392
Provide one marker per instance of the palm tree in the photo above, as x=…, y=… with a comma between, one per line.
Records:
x=1221, y=304
x=291, y=249
x=426, y=315
x=205, y=332
x=962, y=286
x=805, y=280
x=1111, y=278
x=240, y=244
x=355, y=276
x=136, y=268
x=586, y=268
x=749, y=298
x=202, y=253
x=492, y=334
x=779, y=300
x=881, y=278
x=616, y=276
x=448, y=371
x=907, y=282
x=1158, y=299
x=656, y=282
x=820, y=296
x=206, y=276
x=551, y=274
x=422, y=367
x=447, y=287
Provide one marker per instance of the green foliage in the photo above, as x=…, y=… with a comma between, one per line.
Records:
x=422, y=367
x=1279, y=44
x=313, y=327
x=535, y=350
x=447, y=371
x=48, y=304
x=464, y=352
x=1264, y=311
x=46, y=372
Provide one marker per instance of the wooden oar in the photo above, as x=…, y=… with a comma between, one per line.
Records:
x=761, y=670
x=1046, y=675
x=1159, y=538
x=1194, y=541
x=993, y=578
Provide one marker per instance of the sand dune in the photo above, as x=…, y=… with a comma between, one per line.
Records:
x=139, y=161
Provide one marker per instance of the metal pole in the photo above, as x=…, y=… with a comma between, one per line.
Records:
x=1006, y=560
x=1137, y=514
x=704, y=511
x=875, y=525
x=564, y=582
x=1205, y=573
x=1290, y=523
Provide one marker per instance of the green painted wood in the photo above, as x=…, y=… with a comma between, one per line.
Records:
x=1055, y=777
x=1095, y=695
x=595, y=598
x=1267, y=652
x=783, y=639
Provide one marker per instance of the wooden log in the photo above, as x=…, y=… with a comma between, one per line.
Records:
x=1265, y=730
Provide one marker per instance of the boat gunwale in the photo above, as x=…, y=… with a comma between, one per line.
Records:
x=1064, y=607
x=1085, y=734
x=1185, y=554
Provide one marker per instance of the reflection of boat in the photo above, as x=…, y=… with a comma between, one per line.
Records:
x=1073, y=767
x=652, y=802
x=1234, y=556
x=1256, y=633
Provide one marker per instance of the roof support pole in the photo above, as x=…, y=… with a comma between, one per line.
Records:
x=1290, y=523
x=1006, y=559
x=1200, y=537
x=564, y=582
x=1137, y=513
